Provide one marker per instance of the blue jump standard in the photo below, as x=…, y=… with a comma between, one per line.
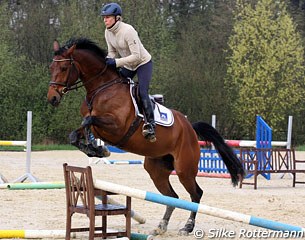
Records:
x=126, y=161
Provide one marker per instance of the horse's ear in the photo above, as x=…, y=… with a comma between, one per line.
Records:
x=56, y=45
x=71, y=50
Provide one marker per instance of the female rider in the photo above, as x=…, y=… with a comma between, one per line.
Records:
x=126, y=51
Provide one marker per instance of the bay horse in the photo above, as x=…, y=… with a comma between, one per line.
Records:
x=109, y=113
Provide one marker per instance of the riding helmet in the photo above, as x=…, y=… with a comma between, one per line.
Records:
x=111, y=9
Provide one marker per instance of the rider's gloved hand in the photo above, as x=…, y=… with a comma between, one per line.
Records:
x=111, y=62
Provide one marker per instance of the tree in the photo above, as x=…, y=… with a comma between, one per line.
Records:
x=81, y=19
x=31, y=23
x=198, y=67
x=265, y=75
x=187, y=40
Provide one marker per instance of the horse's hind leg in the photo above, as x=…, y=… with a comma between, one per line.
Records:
x=159, y=170
x=187, y=171
x=195, y=192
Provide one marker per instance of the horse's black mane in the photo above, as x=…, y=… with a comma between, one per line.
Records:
x=82, y=43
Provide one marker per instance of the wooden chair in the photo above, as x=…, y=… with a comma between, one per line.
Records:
x=270, y=161
x=80, y=198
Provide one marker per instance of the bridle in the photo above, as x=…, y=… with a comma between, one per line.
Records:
x=69, y=87
x=66, y=86
x=93, y=93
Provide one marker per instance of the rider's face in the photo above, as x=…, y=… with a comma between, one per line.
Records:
x=109, y=21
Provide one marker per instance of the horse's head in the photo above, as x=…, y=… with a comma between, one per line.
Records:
x=64, y=73
x=80, y=59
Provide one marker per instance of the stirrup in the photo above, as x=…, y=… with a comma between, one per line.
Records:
x=148, y=131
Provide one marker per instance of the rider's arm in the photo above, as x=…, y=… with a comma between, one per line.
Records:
x=134, y=44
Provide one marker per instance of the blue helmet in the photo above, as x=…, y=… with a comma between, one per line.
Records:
x=111, y=9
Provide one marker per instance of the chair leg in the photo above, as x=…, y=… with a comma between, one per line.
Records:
x=128, y=217
x=92, y=227
x=255, y=181
x=68, y=226
x=104, y=226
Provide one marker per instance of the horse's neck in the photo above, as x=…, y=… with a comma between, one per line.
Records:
x=94, y=72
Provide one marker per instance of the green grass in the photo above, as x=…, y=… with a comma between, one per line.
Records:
x=39, y=147
x=53, y=147
x=300, y=148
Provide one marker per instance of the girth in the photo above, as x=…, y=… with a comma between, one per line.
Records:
x=131, y=130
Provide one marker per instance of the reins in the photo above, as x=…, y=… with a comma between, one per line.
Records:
x=102, y=88
x=93, y=93
x=75, y=86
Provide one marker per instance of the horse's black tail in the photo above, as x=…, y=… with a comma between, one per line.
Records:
x=210, y=134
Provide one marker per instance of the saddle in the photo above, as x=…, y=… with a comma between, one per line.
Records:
x=163, y=116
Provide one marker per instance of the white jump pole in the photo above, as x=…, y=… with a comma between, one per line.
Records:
x=214, y=126
x=195, y=207
x=252, y=143
x=289, y=132
x=28, y=174
x=214, y=121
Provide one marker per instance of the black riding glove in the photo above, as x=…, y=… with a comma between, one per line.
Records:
x=111, y=62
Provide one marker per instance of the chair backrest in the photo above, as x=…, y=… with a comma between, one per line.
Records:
x=79, y=188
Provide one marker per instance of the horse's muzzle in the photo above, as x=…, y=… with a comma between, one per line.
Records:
x=54, y=96
x=54, y=101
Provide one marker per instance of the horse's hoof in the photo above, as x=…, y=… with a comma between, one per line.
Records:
x=156, y=232
x=102, y=151
x=183, y=232
x=188, y=228
x=162, y=228
x=105, y=151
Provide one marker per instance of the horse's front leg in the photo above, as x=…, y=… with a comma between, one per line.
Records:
x=77, y=139
x=85, y=141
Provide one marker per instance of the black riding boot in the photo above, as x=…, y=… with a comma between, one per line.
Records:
x=148, y=130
